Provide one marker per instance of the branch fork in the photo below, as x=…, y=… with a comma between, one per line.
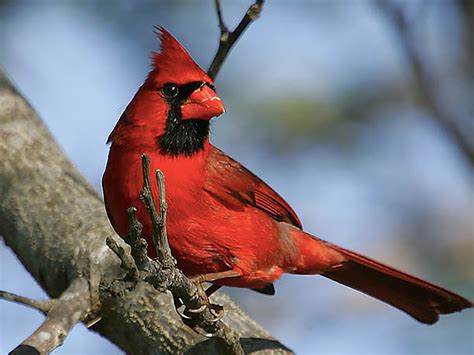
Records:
x=61, y=315
x=228, y=38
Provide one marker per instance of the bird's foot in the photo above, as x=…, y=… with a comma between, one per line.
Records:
x=188, y=315
x=191, y=316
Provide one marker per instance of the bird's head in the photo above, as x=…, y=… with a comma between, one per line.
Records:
x=174, y=105
x=181, y=83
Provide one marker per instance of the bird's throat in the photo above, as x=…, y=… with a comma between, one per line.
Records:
x=183, y=137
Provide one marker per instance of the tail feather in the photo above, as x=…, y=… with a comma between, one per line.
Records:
x=420, y=299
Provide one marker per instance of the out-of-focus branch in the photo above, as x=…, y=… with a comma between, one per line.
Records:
x=424, y=79
x=466, y=13
x=228, y=38
x=61, y=315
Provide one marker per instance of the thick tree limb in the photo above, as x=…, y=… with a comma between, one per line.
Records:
x=57, y=226
x=228, y=38
x=424, y=79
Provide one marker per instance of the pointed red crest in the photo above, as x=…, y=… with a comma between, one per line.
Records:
x=173, y=62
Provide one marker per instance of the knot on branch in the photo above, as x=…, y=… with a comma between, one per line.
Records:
x=254, y=10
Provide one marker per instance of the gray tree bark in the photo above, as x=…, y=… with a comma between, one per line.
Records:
x=56, y=224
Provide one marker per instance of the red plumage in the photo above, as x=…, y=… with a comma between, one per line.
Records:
x=220, y=215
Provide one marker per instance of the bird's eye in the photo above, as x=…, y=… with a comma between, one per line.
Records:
x=170, y=90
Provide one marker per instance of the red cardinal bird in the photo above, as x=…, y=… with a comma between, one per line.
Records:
x=222, y=218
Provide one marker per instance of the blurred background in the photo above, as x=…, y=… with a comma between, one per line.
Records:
x=360, y=113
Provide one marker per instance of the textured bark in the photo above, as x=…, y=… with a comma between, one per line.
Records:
x=56, y=224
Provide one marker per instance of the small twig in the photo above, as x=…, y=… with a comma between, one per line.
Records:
x=228, y=38
x=222, y=26
x=42, y=306
x=163, y=251
x=163, y=237
x=146, y=196
x=424, y=79
x=137, y=244
x=127, y=261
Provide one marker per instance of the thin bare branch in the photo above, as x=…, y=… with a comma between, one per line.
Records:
x=160, y=239
x=62, y=315
x=163, y=237
x=424, y=79
x=137, y=244
x=228, y=38
x=42, y=306
x=127, y=261
x=222, y=26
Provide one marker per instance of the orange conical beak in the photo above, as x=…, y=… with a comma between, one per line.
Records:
x=202, y=104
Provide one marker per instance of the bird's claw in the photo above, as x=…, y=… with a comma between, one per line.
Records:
x=189, y=316
x=197, y=310
x=217, y=311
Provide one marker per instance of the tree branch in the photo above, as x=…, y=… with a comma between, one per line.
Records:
x=160, y=239
x=220, y=18
x=137, y=244
x=127, y=261
x=228, y=39
x=424, y=80
x=42, y=306
x=62, y=315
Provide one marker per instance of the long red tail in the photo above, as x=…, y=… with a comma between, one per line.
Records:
x=420, y=299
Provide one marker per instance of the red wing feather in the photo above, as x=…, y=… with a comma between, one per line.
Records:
x=236, y=187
